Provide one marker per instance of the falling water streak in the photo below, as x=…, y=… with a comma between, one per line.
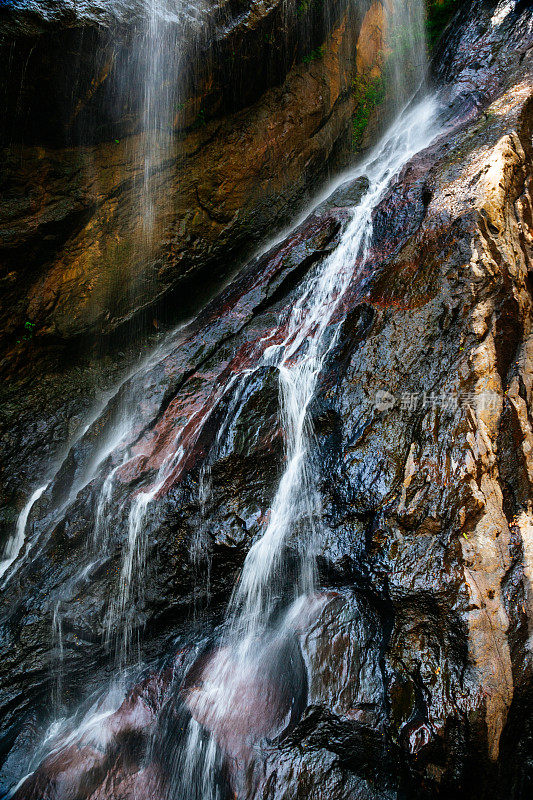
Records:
x=102, y=453
x=57, y=633
x=88, y=728
x=133, y=556
x=199, y=552
x=159, y=82
x=197, y=766
x=101, y=524
x=109, y=445
x=405, y=47
x=159, y=85
x=193, y=746
x=16, y=543
x=155, y=108
x=119, y=621
x=217, y=451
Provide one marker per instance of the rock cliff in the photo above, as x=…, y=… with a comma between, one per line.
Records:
x=415, y=671
x=261, y=108
x=83, y=291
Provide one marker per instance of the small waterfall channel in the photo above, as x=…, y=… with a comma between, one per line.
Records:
x=266, y=610
x=231, y=694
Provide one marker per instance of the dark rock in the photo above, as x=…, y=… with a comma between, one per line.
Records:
x=415, y=676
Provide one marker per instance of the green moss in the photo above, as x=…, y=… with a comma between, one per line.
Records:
x=438, y=15
x=305, y=5
x=29, y=331
x=314, y=55
x=369, y=94
x=200, y=121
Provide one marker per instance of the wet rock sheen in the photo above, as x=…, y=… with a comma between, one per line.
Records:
x=409, y=674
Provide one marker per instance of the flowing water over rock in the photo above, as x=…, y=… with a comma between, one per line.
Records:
x=248, y=672
x=15, y=545
x=241, y=691
x=272, y=599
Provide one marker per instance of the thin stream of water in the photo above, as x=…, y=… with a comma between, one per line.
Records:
x=16, y=543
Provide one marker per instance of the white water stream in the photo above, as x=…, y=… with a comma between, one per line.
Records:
x=268, y=604
x=299, y=359
x=253, y=636
x=16, y=543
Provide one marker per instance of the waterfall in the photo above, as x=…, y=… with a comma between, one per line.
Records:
x=299, y=359
x=256, y=632
x=272, y=599
x=16, y=543
x=158, y=79
x=232, y=683
x=405, y=45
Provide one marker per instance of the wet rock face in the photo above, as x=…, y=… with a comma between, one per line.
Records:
x=183, y=537
x=422, y=428
x=417, y=662
x=92, y=50
x=247, y=136
x=82, y=291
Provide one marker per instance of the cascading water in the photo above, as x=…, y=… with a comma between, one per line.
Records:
x=275, y=593
x=256, y=632
x=233, y=680
x=150, y=78
x=295, y=505
x=16, y=543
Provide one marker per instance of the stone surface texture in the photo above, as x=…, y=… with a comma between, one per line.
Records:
x=417, y=659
